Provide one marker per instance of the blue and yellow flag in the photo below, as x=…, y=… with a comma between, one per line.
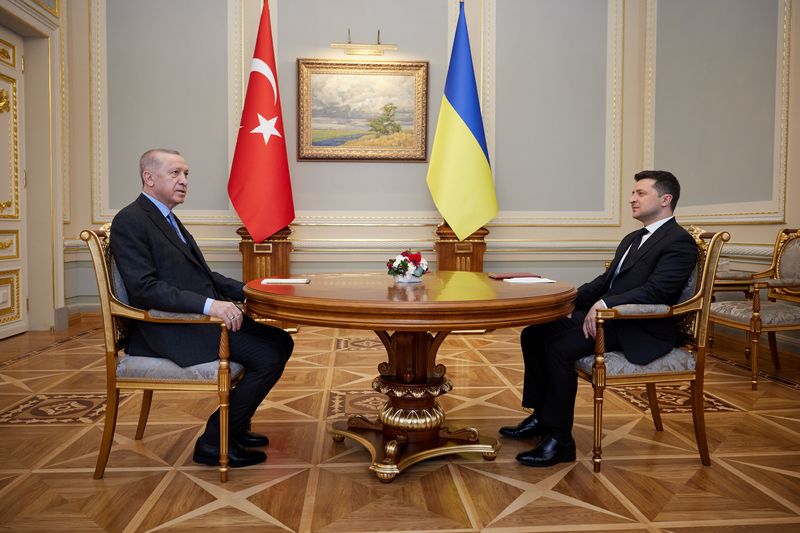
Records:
x=459, y=175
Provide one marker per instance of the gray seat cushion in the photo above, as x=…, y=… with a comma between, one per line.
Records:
x=159, y=369
x=772, y=313
x=678, y=360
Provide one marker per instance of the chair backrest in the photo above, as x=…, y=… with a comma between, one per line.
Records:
x=695, y=323
x=786, y=264
x=110, y=288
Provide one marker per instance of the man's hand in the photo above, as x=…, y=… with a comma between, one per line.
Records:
x=228, y=313
x=589, y=323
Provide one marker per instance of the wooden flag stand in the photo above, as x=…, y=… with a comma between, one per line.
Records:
x=271, y=257
x=463, y=256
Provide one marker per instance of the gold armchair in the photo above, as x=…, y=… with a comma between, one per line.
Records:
x=779, y=312
x=132, y=372
x=684, y=363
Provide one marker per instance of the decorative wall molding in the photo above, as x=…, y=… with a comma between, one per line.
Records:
x=36, y=13
x=9, y=296
x=755, y=212
x=51, y=7
x=610, y=213
x=9, y=244
x=9, y=192
x=64, y=105
x=101, y=210
x=8, y=54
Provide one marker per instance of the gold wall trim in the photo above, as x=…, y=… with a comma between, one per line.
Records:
x=8, y=54
x=64, y=105
x=5, y=101
x=52, y=9
x=9, y=281
x=9, y=209
x=9, y=244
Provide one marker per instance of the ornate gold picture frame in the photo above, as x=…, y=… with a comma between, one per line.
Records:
x=354, y=110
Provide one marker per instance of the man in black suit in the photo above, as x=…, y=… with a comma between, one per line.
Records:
x=651, y=266
x=163, y=268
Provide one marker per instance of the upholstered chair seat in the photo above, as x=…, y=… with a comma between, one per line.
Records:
x=136, y=367
x=677, y=361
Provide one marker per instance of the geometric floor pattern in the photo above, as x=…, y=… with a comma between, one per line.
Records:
x=52, y=402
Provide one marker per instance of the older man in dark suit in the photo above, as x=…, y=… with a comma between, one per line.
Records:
x=651, y=266
x=163, y=268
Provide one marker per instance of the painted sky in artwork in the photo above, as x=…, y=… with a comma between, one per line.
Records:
x=348, y=101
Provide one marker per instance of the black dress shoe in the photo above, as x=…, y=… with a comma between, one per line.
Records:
x=248, y=439
x=548, y=453
x=238, y=456
x=530, y=427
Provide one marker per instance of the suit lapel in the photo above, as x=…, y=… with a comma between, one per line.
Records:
x=163, y=226
x=624, y=245
x=651, y=243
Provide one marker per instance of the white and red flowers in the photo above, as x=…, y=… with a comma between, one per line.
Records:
x=407, y=264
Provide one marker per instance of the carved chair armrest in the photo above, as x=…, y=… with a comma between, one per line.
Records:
x=172, y=316
x=624, y=312
x=731, y=275
x=628, y=311
x=785, y=283
x=122, y=310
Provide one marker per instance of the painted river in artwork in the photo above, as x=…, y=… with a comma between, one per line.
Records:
x=337, y=141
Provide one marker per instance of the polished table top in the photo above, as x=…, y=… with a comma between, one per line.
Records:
x=443, y=301
x=410, y=426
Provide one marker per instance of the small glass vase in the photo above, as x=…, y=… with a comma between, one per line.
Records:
x=407, y=278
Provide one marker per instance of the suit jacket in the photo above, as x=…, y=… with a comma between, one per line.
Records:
x=657, y=276
x=162, y=272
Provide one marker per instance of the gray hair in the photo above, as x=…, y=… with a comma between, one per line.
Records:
x=150, y=159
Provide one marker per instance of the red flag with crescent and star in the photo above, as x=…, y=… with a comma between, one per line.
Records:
x=259, y=186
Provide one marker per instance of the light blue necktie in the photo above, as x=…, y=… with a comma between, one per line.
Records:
x=174, y=224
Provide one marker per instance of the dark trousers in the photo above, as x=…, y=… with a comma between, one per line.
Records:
x=550, y=351
x=263, y=352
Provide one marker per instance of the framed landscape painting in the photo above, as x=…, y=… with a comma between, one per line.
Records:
x=353, y=110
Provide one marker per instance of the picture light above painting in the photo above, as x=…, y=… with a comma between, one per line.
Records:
x=362, y=111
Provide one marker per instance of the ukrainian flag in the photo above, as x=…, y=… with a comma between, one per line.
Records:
x=459, y=175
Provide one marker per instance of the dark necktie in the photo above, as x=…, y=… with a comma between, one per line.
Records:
x=633, y=251
x=174, y=224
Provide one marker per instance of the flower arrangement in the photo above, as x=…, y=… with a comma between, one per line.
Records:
x=407, y=265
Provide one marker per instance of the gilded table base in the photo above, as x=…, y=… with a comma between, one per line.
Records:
x=390, y=456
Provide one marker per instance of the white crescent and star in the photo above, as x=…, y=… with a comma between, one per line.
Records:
x=262, y=68
x=266, y=127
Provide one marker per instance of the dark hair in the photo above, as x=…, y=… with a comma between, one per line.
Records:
x=665, y=183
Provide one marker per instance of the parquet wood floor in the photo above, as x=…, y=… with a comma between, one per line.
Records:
x=52, y=404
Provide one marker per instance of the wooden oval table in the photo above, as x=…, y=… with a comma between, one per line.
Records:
x=412, y=320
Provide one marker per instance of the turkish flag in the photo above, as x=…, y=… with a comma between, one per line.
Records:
x=259, y=186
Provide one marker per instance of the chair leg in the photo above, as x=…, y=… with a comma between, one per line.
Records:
x=747, y=353
x=224, y=423
x=147, y=399
x=773, y=349
x=699, y=419
x=753, y=349
x=710, y=342
x=112, y=404
x=597, y=451
x=653, y=399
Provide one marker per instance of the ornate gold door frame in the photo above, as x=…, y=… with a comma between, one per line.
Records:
x=13, y=278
